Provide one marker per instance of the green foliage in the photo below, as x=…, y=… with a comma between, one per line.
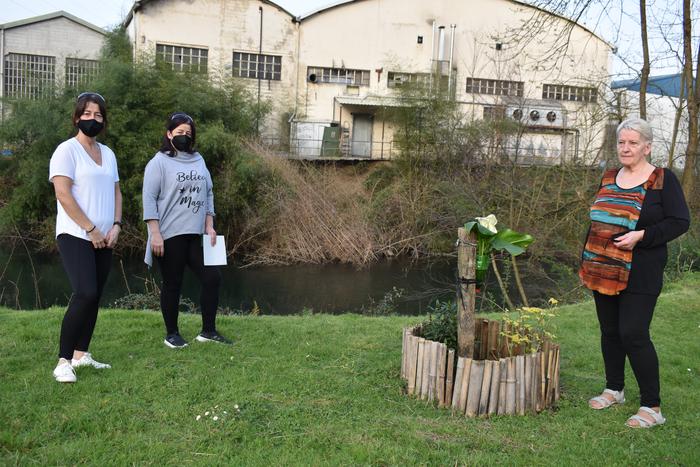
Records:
x=531, y=327
x=140, y=97
x=442, y=323
x=387, y=305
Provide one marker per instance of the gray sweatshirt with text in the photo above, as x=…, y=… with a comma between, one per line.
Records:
x=177, y=192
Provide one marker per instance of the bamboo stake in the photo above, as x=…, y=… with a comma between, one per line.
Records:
x=550, y=377
x=466, y=266
x=541, y=400
x=458, y=384
x=501, y=285
x=494, y=330
x=536, y=389
x=466, y=384
x=528, y=381
x=441, y=367
x=556, y=374
x=432, y=371
x=518, y=282
x=495, y=390
x=503, y=372
x=449, y=377
x=419, y=372
x=483, y=352
x=485, y=388
x=403, y=353
x=475, y=379
x=412, y=351
x=519, y=380
x=510, y=386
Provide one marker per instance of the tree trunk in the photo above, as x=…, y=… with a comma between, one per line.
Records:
x=688, y=178
x=466, y=296
x=645, y=67
x=676, y=124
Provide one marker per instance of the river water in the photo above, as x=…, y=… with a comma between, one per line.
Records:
x=332, y=288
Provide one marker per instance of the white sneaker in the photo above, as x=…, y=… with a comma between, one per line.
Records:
x=64, y=372
x=87, y=360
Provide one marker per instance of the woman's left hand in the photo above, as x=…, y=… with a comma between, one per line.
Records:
x=113, y=236
x=629, y=240
x=212, y=235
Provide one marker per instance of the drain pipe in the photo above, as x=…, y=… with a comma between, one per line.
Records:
x=432, y=57
x=257, y=117
x=2, y=73
x=453, y=27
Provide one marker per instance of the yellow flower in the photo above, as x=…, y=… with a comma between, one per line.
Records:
x=553, y=301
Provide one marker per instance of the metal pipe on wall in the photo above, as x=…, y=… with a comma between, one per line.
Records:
x=453, y=27
x=257, y=117
x=432, y=56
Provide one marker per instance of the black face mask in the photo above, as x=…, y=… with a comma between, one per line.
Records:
x=90, y=128
x=182, y=143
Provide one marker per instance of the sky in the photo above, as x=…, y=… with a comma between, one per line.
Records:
x=617, y=23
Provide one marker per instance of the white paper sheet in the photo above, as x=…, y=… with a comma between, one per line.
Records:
x=214, y=255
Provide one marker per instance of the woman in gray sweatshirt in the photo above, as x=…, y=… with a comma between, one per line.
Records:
x=178, y=206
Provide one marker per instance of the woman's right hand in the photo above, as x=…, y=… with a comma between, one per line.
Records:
x=97, y=238
x=157, y=245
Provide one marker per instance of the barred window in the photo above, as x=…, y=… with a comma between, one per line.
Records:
x=396, y=79
x=495, y=86
x=562, y=92
x=338, y=76
x=183, y=58
x=80, y=71
x=29, y=76
x=247, y=65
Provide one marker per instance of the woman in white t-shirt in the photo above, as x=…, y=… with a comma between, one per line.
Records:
x=89, y=204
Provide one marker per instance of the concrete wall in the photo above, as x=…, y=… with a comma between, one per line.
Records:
x=222, y=26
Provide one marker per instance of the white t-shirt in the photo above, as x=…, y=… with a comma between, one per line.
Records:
x=93, y=186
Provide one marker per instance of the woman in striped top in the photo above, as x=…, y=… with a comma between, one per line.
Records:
x=638, y=209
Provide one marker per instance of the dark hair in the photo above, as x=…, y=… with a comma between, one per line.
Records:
x=83, y=100
x=174, y=121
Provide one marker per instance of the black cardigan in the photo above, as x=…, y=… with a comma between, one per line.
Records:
x=664, y=216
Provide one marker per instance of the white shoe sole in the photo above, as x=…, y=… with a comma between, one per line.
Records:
x=173, y=346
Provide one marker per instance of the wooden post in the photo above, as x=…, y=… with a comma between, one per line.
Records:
x=449, y=377
x=542, y=399
x=485, y=388
x=466, y=264
x=432, y=373
x=556, y=373
x=484, y=347
x=528, y=381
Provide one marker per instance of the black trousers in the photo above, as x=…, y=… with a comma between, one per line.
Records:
x=181, y=251
x=87, y=270
x=624, y=327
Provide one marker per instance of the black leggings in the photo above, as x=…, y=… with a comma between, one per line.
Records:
x=624, y=325
x=87, y=270
x=181, y=251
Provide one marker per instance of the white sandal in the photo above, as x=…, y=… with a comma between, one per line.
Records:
x=618, y=398
x=642, y=422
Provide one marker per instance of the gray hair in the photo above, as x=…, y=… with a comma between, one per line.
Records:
x=639, y=125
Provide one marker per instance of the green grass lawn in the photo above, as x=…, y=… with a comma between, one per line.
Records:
x=317, y=390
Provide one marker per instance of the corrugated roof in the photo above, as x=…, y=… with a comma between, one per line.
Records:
x=665, y=85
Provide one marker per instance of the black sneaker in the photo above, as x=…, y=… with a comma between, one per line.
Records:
x=175, y=341
x=212, y=336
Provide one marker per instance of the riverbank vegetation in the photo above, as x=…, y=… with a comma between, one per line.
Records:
x=320, y=389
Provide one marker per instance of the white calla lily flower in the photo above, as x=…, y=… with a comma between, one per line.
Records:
x=489, y=222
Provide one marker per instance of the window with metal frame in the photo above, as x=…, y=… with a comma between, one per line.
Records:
x=338, y=76
x=80, y=71
x=29, y=76
x=257, y=66
x=496, y=87
x=561, y=92
x=183, y=58
x=397, y=79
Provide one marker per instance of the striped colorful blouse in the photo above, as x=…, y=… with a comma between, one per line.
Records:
x=615, y=211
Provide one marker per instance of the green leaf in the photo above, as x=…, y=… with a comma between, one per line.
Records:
x=513, y=242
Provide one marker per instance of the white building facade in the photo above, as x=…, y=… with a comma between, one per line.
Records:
x=331, y=75
x=46, y=53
